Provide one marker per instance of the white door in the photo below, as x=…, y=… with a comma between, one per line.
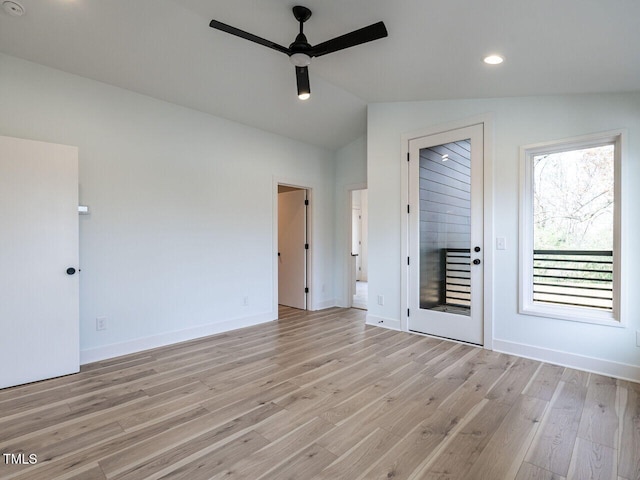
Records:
x=446, y=234
x=39, y=316
x=292, y=255
x=356, y=240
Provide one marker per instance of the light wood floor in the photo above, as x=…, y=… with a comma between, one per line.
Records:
x=319, y=395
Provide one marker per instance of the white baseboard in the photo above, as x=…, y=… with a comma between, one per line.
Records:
x=390, y=323
x=139, y=344
x=590, y=364
x=324, y=304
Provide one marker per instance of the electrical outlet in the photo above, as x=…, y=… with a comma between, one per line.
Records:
x=380, y=299
x=101, y=323
x=245, y=301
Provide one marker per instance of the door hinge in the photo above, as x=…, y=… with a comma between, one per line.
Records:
x=408, y=208
x=408, y=312
x=408, y=157
x=408, y=261
x=306, y=246
x=306, y=202
x=306, y=289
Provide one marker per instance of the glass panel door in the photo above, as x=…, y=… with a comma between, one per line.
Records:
x=445, y=177
x=445, y=227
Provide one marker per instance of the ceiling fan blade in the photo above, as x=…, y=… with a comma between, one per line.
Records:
x=247, y=36
x=302, y=79
x=357, y=37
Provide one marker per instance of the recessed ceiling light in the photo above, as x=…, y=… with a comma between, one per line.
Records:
x=493, y=59
x=13, y=8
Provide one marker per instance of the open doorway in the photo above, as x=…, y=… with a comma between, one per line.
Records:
x=359, y=249
x=293, y=246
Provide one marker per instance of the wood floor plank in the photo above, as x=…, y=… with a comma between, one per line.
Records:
x=532, y=472
x=599, y=422
x=302, y=466
x=455, y=461
x=342, y=410
x=557, y=436
x=477, y=385
x=321, y=395
x=276, y=452
x=176, y=444
x=54, y=467
x=504, y=453
x=593, y=462
x=512, y=384
x=629, y=454
x=93, y=472
x=404, y=459
x=201, y=463
x=545, y=382
x=360, y=457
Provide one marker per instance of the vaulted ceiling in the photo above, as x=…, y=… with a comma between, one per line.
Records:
x=166, y=49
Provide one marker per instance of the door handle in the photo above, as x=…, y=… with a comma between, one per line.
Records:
x=354, y=254
x=476, y=261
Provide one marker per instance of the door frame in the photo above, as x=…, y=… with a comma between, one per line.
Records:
x=487, y=122
x=295, y=183
x=348, y=290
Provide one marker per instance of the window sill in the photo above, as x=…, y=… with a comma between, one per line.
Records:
x=574, y=314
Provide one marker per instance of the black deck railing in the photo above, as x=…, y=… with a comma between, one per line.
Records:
x=582, y=278
x=456, y=264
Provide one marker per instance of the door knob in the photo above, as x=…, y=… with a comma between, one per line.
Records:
x=476, y=261
x=476, y=249
x=71, y=271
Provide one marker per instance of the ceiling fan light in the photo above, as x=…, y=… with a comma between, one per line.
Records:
x=302, y=80
x=493, y=59
x=300, y=59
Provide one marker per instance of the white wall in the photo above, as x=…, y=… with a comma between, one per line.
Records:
x=517, y=121
x=351, y=173
x=181, y=204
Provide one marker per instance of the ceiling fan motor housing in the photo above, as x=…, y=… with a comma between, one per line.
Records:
x=300, y=49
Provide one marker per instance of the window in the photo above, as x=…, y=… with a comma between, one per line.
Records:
x=570, y=229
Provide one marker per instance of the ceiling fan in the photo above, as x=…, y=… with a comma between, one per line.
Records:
x=300, y=52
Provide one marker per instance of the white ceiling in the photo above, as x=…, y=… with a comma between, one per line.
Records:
x=165, y=49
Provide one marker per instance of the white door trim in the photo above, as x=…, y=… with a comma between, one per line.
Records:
x=296, y=183
x=487, y=121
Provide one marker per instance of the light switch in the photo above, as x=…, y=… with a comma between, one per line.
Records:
x=501, y=243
